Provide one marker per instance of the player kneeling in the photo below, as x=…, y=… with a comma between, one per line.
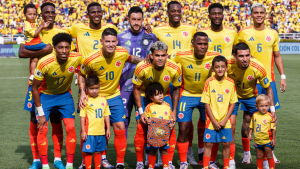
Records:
x=218, y=93
x=158, y=109
x=92, y=119
x=264, y=133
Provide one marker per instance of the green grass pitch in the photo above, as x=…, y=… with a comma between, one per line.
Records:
x=15, y=149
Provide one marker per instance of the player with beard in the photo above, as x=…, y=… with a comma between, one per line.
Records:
x=48, y=14
x=137, y=42
x=264, y=46
x=221, y=39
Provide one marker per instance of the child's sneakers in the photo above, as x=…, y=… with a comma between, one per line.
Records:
x=247, y=158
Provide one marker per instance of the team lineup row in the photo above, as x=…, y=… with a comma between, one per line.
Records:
x=186, y=69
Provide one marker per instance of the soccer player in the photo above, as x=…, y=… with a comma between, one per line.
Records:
x=57, y=71
x=88, y=40
x=246, y=71
x=219, y=96
x=137, y=42
x=196, y=68
x=165, y=72
x=157, y=109
x=107, y=64
x=265, y=131
x=264, y=46
x=48, y=14
x=95, y=123
x=221, y=39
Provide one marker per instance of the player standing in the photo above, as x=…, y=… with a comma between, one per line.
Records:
x=48, y=14
x=221, y=39
x=196, y=69
x=107, y=64
x=165, y=72
x=57, y=70
x=137, y=42
x=246, y=71
x=264, y=46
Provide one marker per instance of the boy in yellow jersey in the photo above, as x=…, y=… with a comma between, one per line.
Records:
x=196, y=68
x=219, y=96
x=221, y=38
x=56, y=71
x=264, y=46
x=264, y=131
x=165, y=72
x=157, y=108
x=107, y=63
x=246, y=71
x=95, y=124
x=33, y=40
x=176, y=35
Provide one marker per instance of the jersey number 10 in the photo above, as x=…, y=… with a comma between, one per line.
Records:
x=98, y=113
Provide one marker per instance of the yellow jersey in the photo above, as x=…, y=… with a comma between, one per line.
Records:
x=48, y=35
x=245, y=80
x=223, y=41
x=262, y=126
x=145, y=74
x=262, y=44
x=195, y=71
x=94, y=112
x=162, y=111
x=87, y=39
x=219, y=95
x=107, y=69
x=29, y=31
x=179, y=38
x=58, y=78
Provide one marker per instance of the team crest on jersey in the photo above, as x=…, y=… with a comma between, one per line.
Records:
x=268, y=38
x=166, y=78
x=70, y=69
x=207, y=136
x=185, y=33
x=227, y=39
x=166, y=113
x=227, y=91
x=87, y=146
x=118, y=63
x=180, y=115
x=145, y=42
x=29, y=105
x=102, y=104
x=265, y=121
x=207, y=66
x=250, y=77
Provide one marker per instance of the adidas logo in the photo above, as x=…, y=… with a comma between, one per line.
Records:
x=54, y=74
x=168, y=35
x=101, y=68
x=190, y=66
x=138, y=148
x=124, y=149
x=277, y=104
x=223, y=137
x=251, y=39
x=44, y=143
x=124, y=117
x=86, y=34
x=33, y=144
x=154, y=112
x=128, y=42
x=209, y=40
x=72, y=141
x=150, y=78
x=172, y=146
x=233, y=75
x=91, y=105
x=213, y=91
x=165, y=165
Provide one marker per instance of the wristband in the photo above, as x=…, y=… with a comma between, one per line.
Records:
x=283, y=77
x=140, y=110
x=272, y=108
x=40, y=111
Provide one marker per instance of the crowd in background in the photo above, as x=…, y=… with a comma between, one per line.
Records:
x=282, y=15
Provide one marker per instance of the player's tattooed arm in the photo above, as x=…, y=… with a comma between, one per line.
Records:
x=24, y=53
x=175, y=97
x=83, y=96
x=135, y=59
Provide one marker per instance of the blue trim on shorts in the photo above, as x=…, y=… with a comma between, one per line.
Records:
x=36, y=47
x=117, y=110
x=218, y=136
x=246, y=105
x=261, y=90
x=186, y=106
x=94, y=144
x=29, y=102
x=261, y=147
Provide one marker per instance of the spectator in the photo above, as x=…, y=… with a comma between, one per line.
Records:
x=1, y=40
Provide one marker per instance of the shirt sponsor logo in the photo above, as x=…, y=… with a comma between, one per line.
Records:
x=185, y=33
x=150, y=78
x=128, y=43
x=213, y=91
x=86, y=34
x=118, y=63
x=251, y=39
x=168, y=35
x=166, y=78
x=268, y=38
x=101, y=68
x=54, y=74
x=70, y=69
x=227, y=39
x=190, y=66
